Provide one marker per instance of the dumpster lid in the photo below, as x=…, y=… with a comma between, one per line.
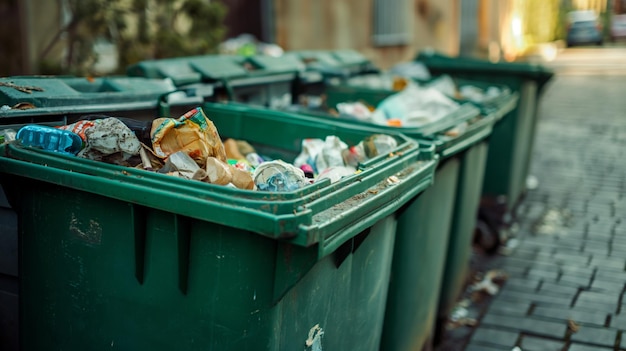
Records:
x=51, y=98
x=49, y=92
x=334, y=62
x=534, y=71
x=214, y=68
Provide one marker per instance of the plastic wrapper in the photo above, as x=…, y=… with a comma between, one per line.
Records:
x=254, y=159
x=478, y=95
x=279, y=176
x=107, y=137
x=334, y=174
x=192, y=133
x=354, y=155
x=331, y=154
x=358, y=111
x=249, y=45
x=7, y=136
x=79, y=128
x=416, y=106
x=380, y=81
x=311, y=147
x=412, y=69
x=446, y=85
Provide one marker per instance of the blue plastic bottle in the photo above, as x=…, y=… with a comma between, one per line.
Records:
x=51, y=139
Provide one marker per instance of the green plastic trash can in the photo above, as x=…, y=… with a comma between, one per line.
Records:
x=424, y=225
x=453, y=201
x=56, y=101
x=469, y=185
x=513, y=138
x=259, y=80
x=115, y=257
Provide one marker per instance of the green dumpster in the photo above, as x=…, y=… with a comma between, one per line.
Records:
x=56, y=101
x=424, y=224
x=509, y=157
x=443, y=217
x=259, y=80
x=115, y=257
x=470, y=182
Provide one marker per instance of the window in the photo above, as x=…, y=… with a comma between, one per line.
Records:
x=391, y=22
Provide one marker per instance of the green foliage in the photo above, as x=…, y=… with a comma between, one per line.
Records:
x=140, y=29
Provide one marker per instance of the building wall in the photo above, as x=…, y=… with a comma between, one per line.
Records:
x=11, y=61
x=349, y=24
x=41, y=21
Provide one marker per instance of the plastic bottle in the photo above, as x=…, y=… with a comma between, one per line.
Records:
x=379, y=144
x=51, y=139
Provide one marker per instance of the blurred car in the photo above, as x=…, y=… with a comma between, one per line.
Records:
x=583, y=27
x=618, y=27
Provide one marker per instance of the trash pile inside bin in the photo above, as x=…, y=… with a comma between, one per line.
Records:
x=413, y=103
x=190, y=147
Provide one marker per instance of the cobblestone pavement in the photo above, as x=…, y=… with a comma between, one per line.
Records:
x=567, y=276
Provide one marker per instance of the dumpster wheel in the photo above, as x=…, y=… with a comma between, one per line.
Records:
x=486, y=237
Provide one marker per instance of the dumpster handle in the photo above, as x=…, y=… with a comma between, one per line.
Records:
x=384, y=203
x=473, y=139
x=331, y=244
x=230, y=93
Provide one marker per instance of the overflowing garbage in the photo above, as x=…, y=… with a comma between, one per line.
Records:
x=249, y=45
x=190, y=147
x=414, y=103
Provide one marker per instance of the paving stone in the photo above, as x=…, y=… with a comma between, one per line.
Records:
x=603, y=273
x=609, y=262
x=531, y=343
x=594, y=335
x=604, y=298
x=599, y=250
x=524, y=262
x=495, y=337
x=563, y=314
x=515, y=271
x=618, y=248
x=552, y=288
x=508, y=308
x=619, y=322
x=536, y=298
x=529, y=325
x=539, y=274
x=580, y=260
x=609, y=307
x=523, y=285
x=579, y=280
x=577, y=271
